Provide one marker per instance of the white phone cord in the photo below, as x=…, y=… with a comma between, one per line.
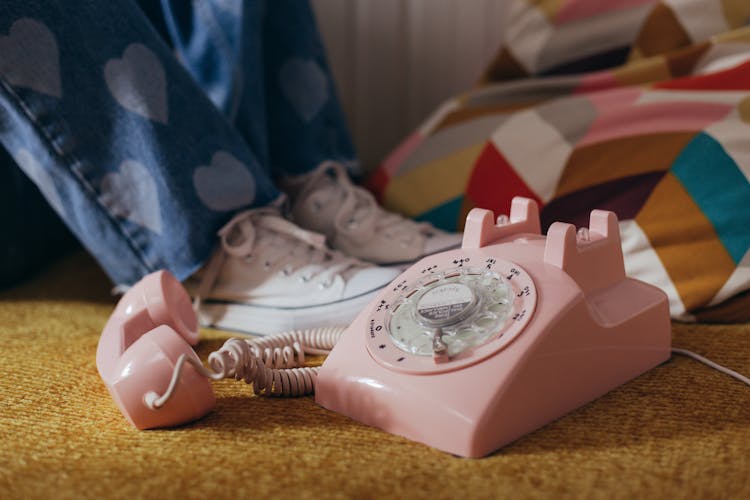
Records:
x=271, y=364
x=278, y=351
x=715, y=366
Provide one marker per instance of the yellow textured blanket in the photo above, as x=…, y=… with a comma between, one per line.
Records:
x=680, y=430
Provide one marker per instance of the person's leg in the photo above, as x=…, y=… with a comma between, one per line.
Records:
x=306, y=123
x=264, y=66
x=219, y=44
x=312, y=155
x=125, y=147
x=145, y=169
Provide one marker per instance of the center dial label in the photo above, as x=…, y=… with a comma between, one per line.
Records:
x=445, y=303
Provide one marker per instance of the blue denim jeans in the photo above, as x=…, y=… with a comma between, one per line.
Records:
x=147, y=125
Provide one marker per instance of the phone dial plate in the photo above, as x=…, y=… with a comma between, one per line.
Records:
x=476, y=303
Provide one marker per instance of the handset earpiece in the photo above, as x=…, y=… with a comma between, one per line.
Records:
x=157, y=299
x=151, y=327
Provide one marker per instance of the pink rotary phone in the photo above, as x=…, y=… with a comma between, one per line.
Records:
x=471, y=349
x=466, y=351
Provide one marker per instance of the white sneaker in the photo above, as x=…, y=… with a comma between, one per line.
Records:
x=326, y=201
x=268, y=276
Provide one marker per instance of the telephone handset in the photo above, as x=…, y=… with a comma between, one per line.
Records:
x=471, y=349
x=146, y=360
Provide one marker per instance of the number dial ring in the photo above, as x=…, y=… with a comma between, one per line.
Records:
x=385, y=351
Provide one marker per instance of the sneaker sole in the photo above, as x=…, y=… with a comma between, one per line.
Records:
x=264, y=320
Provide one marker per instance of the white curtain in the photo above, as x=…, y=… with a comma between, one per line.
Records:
x=395, y=60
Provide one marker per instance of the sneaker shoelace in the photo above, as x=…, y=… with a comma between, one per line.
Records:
x=264, y=234
x=359, y=216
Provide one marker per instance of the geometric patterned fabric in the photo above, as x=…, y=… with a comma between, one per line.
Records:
x=641, y=107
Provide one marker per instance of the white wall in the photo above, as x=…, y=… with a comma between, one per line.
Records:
x=395, y=60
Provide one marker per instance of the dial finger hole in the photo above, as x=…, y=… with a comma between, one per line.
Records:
x=499, y=308
x=485, y=321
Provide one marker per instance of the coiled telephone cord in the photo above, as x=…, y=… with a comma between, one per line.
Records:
x=288, y=349
x=273, y=364
x=269, y=364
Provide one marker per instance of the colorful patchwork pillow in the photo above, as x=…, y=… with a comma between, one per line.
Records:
x=664, y=141
x=572, y=36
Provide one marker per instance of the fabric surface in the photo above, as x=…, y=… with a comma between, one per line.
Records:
x=145, y=145
x=681, y=430
x=572, y=36
x=658, y=137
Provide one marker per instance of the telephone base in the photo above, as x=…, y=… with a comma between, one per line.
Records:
x=471, y=412
x=471, y=349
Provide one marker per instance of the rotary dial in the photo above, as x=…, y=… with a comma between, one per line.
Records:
x=463, y=309
x=438, y=319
